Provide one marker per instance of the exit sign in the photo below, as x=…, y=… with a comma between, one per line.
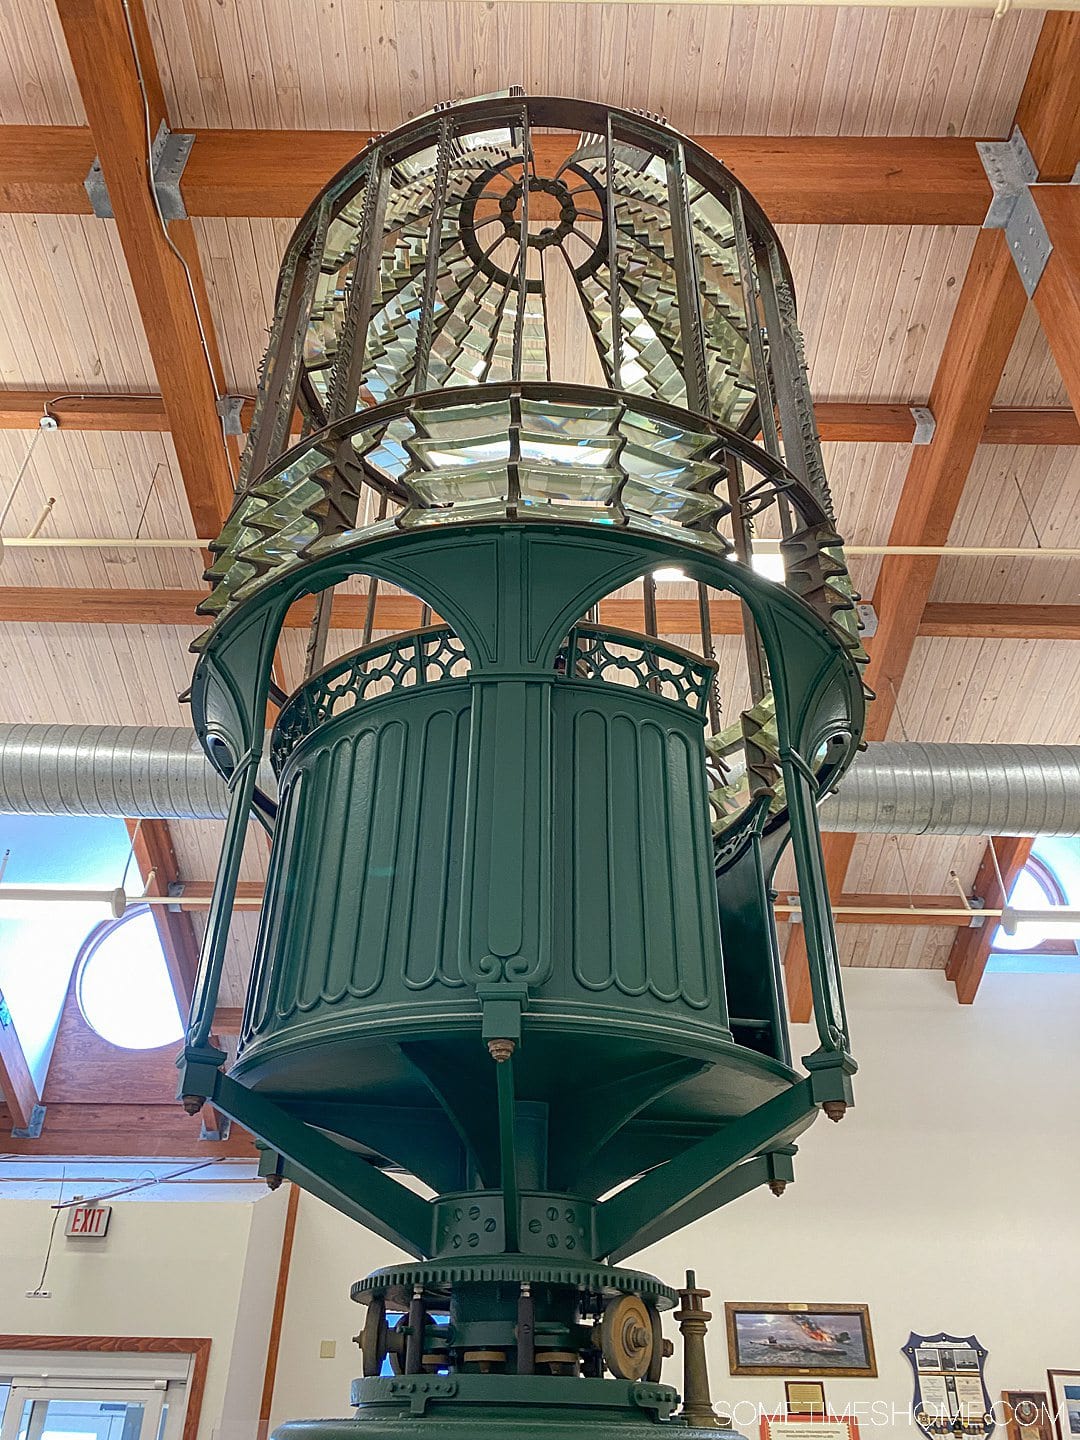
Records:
x=89, y=1220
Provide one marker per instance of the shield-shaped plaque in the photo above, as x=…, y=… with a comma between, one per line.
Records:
x=951, y=1397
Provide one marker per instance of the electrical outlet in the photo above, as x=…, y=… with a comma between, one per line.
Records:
x=327, y=1349
x=39, y=1294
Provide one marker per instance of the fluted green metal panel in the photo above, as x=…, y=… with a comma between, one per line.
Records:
x=435, y=812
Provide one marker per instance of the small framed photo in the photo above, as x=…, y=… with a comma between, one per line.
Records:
x=793, y=1339
x=804, y=1398
x=1065, y=1402
x=1028, y=1415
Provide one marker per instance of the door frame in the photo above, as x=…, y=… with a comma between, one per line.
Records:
x=198, y=1349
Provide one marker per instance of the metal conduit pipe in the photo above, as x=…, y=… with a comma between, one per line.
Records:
x=154, y=772
x=911, y=789
x=137, y=772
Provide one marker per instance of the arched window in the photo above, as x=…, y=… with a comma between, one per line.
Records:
x=1051, y=877
x=122, y=984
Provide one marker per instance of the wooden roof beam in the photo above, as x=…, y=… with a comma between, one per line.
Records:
x=156, y=859
x=800, y=179
x=42, y=605
x=890, y=910
x=838, y=421
x=116, y=73
x=115, y=1130
x=970, y=951
x=16, y=1082
x=985, y=324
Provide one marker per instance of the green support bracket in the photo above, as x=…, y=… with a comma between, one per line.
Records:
x=501, y=1007
x=333, y=1173
x=199, y=1068
x=693, y=1183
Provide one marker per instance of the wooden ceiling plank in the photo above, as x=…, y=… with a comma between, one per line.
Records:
x=170, y=301
x=970, y=951
x=985, y=324
x=1057, y=296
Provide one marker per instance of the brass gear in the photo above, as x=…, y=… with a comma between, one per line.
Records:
x=628, y=1337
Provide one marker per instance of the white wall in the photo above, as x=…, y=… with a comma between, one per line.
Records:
x=179, y=1269
x=948, y=1199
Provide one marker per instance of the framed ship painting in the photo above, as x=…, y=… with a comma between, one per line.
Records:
x=792, y=1339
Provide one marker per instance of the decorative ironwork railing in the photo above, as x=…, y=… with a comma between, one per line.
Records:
x=426, y=657
x=620, y=657
x=422, y=657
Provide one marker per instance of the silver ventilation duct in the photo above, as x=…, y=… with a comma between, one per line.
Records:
x=901, y=789
x=898, y=788
x=137, y=772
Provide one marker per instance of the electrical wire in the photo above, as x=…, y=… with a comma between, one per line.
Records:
x=218, y=396
x=19, y=477
x=52, y=1236
x=130, y=1189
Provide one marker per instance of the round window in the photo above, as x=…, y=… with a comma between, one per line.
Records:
x=123, y=985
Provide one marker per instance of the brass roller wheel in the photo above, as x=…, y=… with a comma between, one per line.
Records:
x=628, y=1338
x=373, y=1337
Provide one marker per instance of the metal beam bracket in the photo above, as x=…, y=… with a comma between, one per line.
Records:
x=33, y=1130
x=168, y=156
x=224, y=1128
x=1011, y=170
x=229, y=408
x=925, y=424
x=868, y=618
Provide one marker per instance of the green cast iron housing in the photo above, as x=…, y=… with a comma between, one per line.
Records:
x=518, y=936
